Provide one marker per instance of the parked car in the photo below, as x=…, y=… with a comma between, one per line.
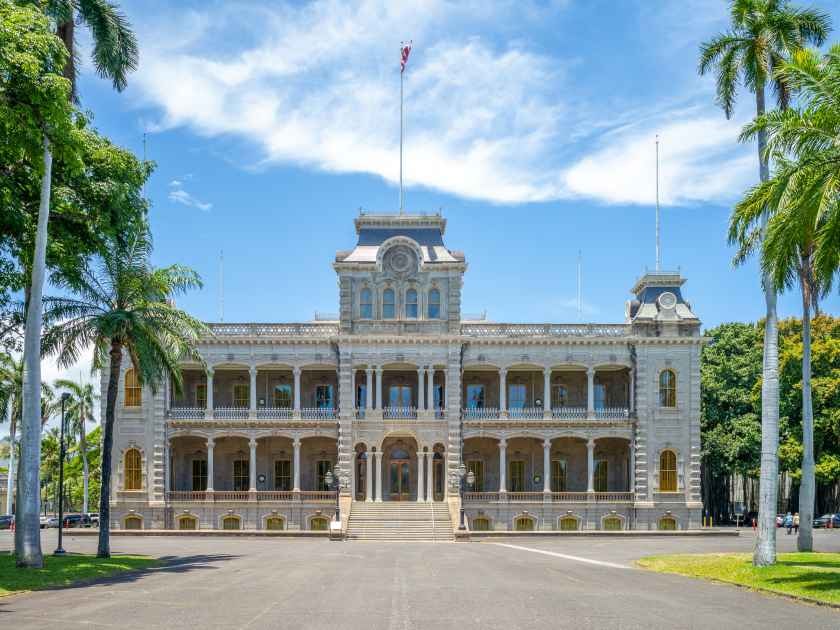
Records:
x=823, y=521
x=76, y=520
x=94, y=519
x=52, y=521
x=6, y=521
x=44, y=521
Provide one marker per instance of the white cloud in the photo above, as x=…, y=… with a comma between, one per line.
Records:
x=487, y=117
x=183, y=197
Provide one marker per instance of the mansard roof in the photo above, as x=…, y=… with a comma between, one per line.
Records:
x=374, y=230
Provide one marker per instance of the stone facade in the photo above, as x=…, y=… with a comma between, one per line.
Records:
x=560, y=426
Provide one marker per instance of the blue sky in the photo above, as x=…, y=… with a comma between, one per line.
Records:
x=530, y=124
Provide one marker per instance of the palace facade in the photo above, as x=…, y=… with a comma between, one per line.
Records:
x=558, y=426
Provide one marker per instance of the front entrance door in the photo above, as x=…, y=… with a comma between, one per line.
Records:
x=400, y=480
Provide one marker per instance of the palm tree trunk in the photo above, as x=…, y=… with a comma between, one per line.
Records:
x=10, y=482
x=85, y=472
x=104, y=550
x=28, y=551
x=765, y=549
x=805, y=541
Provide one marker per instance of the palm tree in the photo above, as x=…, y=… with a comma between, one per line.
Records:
x=763, y=34
x=124, y=308
x=79, y=413
x=114, y=56
x=802, y=201
x=11, y=385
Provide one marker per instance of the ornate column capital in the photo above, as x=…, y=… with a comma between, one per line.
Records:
x=252, y=443
x=547, y=444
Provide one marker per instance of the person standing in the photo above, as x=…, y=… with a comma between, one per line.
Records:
x=788, y=522
x=796, y=523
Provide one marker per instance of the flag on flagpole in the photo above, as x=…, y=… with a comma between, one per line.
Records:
x=405, y=51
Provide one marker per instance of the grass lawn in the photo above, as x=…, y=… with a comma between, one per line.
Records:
x=814, y=576
x=64, y=571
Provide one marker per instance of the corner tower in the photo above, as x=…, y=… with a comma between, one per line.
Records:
x=400, y=277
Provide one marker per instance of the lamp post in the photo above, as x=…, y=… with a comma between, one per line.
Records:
x=59, y=551
x=331, y=479
x=465, y=478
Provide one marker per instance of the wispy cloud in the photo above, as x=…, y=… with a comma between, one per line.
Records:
x=179, y=195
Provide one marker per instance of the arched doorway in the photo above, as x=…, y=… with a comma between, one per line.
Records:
x=438, y=474
x=361, y=472
x=400, y=468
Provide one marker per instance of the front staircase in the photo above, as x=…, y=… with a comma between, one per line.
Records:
x=399, y=521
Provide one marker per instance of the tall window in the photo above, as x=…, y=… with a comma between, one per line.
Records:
x=517, y=476
x=434, y=304
x=361, y=396
x=475, y=396
x=240, y=475
x=133, y=470
x=283, y=475
x=201, y=395
x=133, y=391
x=324, y=397
x=388, y=305
x=199, y=475
x=558, y=475
x=600, y=395
x=366, y=304
x=601, y=473
x=411, y=309
x=323, y=467
x=282, y=398
x=559, y=396
x=476, y=467
x=399, y=396
x=241, y=395
x=517, y=396
x=667, y=388
x=667, y=471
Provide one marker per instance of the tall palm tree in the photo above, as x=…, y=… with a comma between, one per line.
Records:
x=124, y=308
x=802, y=200
x=83, y=397
x=763, y=33
x=114, y=56
x=11, y=386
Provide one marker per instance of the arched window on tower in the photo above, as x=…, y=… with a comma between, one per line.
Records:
x=411, y=309
x=133, y=468
x=133, y=391
x=667, y=388
x=388, y=304
x=667, y=471
x=366, y=304
x=434, y=304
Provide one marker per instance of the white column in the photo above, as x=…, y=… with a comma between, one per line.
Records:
x=253, y=390
x=502, y=391
x=429, y=477
x=547, y=466
x=210, y=445
x=252, y=467
x=369, y=391
x=420, y=484
x=547, y=391
x=590, y=392
x=296, y=373
x=209, y=413
x=379, y=404
x=632, y=480
x=167, y=463
x=369, y=475
x=502, y=465
x=590, y=465
x=296, y=465
x=379, y=476
x=421, y=397
x=430, y=392
x=632, y=402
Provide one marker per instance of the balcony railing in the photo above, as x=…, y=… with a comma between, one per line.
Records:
x=480, y=413
x=526, y=413
x=545, y=330
x=230, y=413
x=553, y=497
x=274, y=413
x=319, y=329
x=317, y=413
x=612, y=413
x=227, y=496
x=187, y=413
x=569, y=413
x=392, y=413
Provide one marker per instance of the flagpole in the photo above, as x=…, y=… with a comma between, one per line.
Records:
x=658, y=251
x=402, y=71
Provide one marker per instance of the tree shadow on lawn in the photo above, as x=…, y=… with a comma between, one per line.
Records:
x=167, y=564
x=810, y=582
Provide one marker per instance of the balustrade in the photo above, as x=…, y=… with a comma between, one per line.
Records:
x=554, y=497
x=187, y=413
x=612, y=413
x=392, y=413
x=526, y=413
x=274, y=330
x=317, y=413
x=274, y=413
x=230, y=413
x=480, y=413
x=545, y=330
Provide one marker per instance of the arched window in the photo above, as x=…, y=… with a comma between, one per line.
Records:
x=133, y=470
x=388, y=304
x=612, y=523
x=568, y=524
x=133, y=522
x=411, y=310
x=480, y=524
x=668, y=523
x=434, y=304
x=230, y=522
x=667, y=388
x=275, y=523
x=366, y=304
x=319, y=524
x=187, y=523
x=524, y=524
x=667, y=471
x=133, y=391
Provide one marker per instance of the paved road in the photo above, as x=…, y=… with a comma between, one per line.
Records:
x=271, y=583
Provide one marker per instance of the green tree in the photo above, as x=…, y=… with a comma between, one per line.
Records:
x=124, y=307
x=114, y=55
x=763, y=33
x=79, y=411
